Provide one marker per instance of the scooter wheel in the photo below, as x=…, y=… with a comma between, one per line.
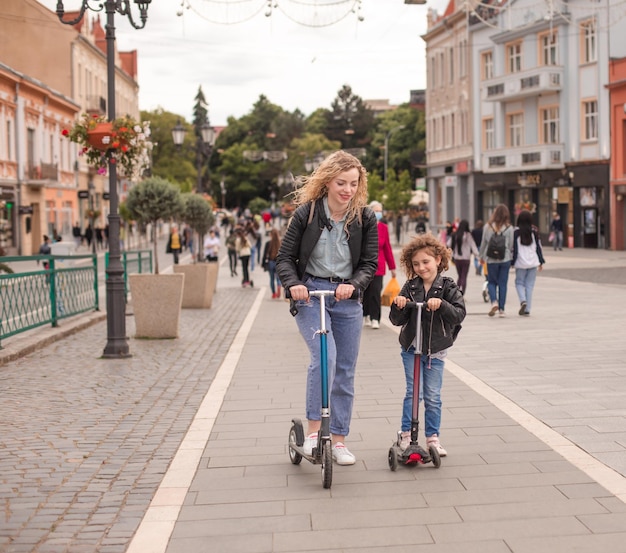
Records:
x=294, y=456
x=327, y=464
x=393, y=459
x=434, y=456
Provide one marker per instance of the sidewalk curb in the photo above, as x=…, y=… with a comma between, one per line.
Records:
x=42, y=336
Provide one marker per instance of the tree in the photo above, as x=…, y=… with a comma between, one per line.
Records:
x=197, y=213
x=349, y=121
x=168, y=161
x=152, y=200
x=200, y=119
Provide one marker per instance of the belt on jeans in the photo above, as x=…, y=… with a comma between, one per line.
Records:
x=334, y=279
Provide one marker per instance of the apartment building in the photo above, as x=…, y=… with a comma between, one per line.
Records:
x=70, y=61
x=540, y=110
x=617, y=202
x=449, y=149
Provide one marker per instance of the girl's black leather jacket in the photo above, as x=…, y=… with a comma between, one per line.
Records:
x=301, y=237
x=439, y=328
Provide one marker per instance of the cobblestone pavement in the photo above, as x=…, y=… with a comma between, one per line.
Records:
x=86, y=441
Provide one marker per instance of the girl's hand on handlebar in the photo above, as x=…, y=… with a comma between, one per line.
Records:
x=400, y=301
x=299, y=292
x=433, y=304
x=344, y=292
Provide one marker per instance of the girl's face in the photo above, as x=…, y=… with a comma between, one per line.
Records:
x=343, y=188
x=425, y=265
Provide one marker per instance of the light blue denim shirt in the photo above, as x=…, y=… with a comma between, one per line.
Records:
x=331, y=255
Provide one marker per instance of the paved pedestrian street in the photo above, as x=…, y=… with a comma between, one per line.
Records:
x=183, y=447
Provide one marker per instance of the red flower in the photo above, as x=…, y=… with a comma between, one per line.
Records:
x=115, y=144
x=65, y=132
x=124, y=148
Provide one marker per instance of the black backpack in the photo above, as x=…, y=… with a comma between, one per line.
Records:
x=496, y=245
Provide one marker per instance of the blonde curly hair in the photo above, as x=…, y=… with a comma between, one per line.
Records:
x=313, y=187
x=433, y=246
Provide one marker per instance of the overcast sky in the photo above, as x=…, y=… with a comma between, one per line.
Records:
x=294, y=65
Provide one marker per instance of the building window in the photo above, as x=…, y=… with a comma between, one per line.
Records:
x=588, y=41
x=549, y=48
x=487, y=65
x=433, y=72
x=514, y=57
x=516, y=129
x=463, y=58
x=442, y=69
x=451, y=64
x=9, y=142
x=444, y=134
x=488, y=134
x=550, y=125
x=590, y=112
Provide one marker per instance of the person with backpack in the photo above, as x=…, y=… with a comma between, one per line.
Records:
x=496, y=250
x=463, y=246
x=331, y=243
x=527, y=260
x=423, y=260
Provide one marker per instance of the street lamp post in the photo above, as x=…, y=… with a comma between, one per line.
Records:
x=204, y=146
x=387, y=149
x=117, y=341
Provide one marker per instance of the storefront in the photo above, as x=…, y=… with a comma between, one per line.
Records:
x=578, y=194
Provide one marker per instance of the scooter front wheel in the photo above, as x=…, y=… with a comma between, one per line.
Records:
x=294, y=433
x=327, y=464
x=434, y=456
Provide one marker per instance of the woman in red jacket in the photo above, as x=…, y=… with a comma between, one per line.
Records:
x=371, y=296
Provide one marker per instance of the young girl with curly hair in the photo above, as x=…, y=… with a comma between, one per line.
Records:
x=423, y=260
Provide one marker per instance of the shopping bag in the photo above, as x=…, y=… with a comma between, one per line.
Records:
x=390, y=292
x=551, y=237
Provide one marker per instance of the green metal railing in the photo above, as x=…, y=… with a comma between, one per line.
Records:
x=133, y=261
x=38, y=295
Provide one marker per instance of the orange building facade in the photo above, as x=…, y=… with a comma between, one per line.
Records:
x=617, y=91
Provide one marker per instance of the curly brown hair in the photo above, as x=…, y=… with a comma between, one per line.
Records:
x=424, y=242
x=314, y=187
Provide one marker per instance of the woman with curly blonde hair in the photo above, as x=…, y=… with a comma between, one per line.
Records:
x=331, y=244
x=424, y=259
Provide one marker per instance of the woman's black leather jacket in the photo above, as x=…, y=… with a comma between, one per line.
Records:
x=439, y=328
x=301, y=237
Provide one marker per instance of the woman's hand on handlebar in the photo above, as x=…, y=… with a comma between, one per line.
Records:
x=299, y=292
x=344, y=292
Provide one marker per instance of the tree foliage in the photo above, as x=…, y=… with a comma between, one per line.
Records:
x=152, y=200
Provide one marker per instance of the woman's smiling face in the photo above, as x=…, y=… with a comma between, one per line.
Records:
x=342, y=188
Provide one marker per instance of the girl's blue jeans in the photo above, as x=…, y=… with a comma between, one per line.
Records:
x=431, y=374
x=344, y=322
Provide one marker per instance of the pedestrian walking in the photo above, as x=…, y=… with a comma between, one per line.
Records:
x=331, y=243
x=211, y=247
x=174, y=244
x=270, y=252
x=477, y=235
x=463, y=247
x=244, y=251
x=556, y=230
x=527, y=260
x=371, y=296
x=496, y=249
x=423, y=260
x=231, y=246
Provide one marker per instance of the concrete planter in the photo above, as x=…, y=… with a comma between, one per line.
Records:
x=200, y=284
x=157, y=301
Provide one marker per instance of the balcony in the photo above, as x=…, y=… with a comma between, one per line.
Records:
x=43, y=171
x=533, y=82
x=535, y=157
x=96, y=105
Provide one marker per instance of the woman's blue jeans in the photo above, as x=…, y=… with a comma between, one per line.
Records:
x=274, y=280
x=498, y=279
x=344, y=322
x=431, y=374
x=524, y=284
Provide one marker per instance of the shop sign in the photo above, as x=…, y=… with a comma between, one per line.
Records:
x=529, y=179
x=25, y=210
x=83, y=194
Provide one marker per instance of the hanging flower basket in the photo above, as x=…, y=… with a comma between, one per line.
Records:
x=101, y=136
x=123, y=142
